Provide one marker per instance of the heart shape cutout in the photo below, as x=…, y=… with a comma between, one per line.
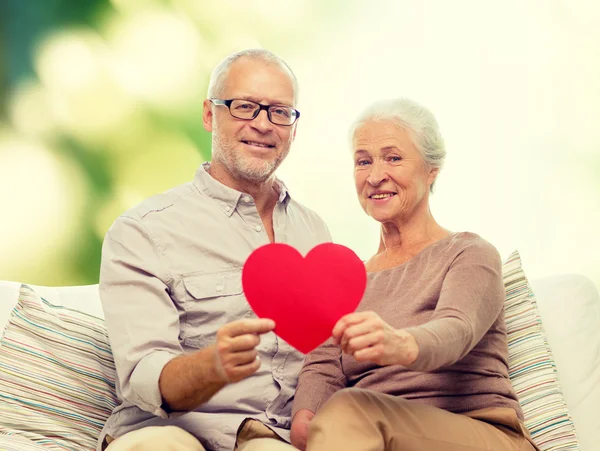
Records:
x=305, y=296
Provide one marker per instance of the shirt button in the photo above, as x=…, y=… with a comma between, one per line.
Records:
x=227, y=208
x=246, y=198
x=219, y=288
x=258, y=228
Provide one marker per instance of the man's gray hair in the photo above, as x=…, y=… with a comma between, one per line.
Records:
x=219, y=73
x=418, y=119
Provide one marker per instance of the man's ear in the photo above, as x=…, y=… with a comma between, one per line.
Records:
x=207, y=115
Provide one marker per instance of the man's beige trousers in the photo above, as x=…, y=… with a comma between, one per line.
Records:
x=252, y=436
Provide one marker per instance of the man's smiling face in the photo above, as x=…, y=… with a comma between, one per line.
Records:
x=251, y=150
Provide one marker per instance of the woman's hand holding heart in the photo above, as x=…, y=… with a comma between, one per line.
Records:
x=368, y=338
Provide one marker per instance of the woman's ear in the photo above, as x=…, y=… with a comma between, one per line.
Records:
x=433, y=173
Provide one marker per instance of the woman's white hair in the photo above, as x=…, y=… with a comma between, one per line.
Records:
x=218, y=77
x=410, y=115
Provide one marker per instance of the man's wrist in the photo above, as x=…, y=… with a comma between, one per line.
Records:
x=211, y=367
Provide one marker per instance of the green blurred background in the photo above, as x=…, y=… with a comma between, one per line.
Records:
x=101, y=102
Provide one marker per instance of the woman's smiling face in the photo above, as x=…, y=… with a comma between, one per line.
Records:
x=392, y=179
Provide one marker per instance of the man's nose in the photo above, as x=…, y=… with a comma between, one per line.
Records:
x=262, y=122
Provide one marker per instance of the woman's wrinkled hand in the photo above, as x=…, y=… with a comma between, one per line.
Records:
x=368, y=338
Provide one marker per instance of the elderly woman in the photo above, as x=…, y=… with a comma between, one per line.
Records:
x=426, y=353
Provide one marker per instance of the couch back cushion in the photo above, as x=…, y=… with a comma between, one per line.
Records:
x=532, y=368
x=56, y=374
x=12, y=442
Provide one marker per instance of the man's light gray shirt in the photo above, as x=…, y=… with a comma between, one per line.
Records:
x=170, y=277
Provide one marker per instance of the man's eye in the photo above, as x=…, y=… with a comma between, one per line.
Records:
x=281, y=112
x=245, y=106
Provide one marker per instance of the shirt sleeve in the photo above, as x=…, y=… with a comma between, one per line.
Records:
x=320, y=378
x=471, y=299
x=141, y=318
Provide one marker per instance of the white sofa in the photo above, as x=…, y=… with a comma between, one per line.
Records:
x=569, y=306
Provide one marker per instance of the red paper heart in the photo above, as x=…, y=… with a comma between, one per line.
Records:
x=304, y=296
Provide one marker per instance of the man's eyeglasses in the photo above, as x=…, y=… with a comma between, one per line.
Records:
x=248, y=110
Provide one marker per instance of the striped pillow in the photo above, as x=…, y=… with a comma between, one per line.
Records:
x=56, y=375
x=532, y=369
x=10, y=442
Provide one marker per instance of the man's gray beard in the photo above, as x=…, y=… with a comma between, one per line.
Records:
x=236, y=166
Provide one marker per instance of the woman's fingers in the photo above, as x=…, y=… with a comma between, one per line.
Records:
x=349, y=321
x=364, y=341
x=370, y=354
x=345, y=322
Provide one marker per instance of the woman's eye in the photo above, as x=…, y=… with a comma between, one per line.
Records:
x=395, y=158
x=362, y=162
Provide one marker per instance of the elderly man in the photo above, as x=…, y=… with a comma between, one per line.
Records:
x=195, y=368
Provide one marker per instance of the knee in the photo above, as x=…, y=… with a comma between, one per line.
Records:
x=156, y=437
x=349, y=404
x=357, y=405
x=266, y=444
x=345, y=400
x=348, y=414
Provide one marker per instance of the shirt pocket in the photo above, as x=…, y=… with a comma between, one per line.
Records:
x=211, y=301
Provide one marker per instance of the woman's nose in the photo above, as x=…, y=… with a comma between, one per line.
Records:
x=377, y=174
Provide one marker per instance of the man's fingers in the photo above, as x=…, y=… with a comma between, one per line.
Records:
x=247, y=326
x=240, y=343
x=233, y=366
x=239, y=358
x=242, y=371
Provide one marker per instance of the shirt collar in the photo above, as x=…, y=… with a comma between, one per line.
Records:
x=227, y=198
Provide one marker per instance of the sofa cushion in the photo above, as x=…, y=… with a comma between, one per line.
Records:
x=9, y=442
x=569, y=305
x=56, y=374
x=532, y=368
x=84, y=298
